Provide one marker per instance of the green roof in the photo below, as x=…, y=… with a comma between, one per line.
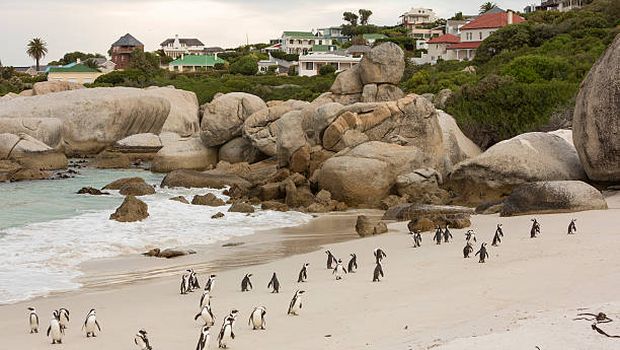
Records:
x=78, y=68
x=299, y=35
x=374, y=36
x=321, y=48
x=197, y=60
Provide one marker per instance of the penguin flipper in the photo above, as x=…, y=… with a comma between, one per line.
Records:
x=196, y=317
x=49, y=329
x=98, y=326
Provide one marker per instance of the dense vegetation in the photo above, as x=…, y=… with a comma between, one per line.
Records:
x=526, y=75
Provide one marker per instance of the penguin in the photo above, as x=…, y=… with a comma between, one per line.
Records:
x=377, y=273
x=352, y=266
x=331, y=260
x=416, y=237
x=210, y=283
x=438, y=235
x=303, y=274
x=142, y=341
x=498, y=234
x=203, y=341
x=185, y=283
x=257, y=318
x=64, y=318
x=274, y=284
x=33, y=319
x=572, y=227
x=535, y=230
x=470, y=235
x=226, y=334
x=55, y=330
x=339, y=270
x=232, y=316
x=447, y=235
x=467, y=250
x=379, y=254
x=205, y=299
x=193, y=281
x=207, y=316
x=295, y=306
x=246, y=284
x=483, y=253
x=90, y=323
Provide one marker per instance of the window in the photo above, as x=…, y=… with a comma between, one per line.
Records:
x=480, y=35
x=291, y=41
x=320, y=42
x=309, y=66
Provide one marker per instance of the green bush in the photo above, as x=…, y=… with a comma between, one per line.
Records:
x=246, y=65
x=327, y=69
x=536, y=68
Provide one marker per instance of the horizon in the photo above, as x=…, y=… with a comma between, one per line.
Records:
x=153, y=21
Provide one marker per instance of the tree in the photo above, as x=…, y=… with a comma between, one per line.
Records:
x=327, y=69
x=458, y=16
x=246, y=65
x=37, y=49
x=486, y=7
x=351, y=18
x=364, y=16
x=145, y=62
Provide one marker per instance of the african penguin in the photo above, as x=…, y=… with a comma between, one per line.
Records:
x=91, y=323
x=226, y=334
x=438, y=235
x=483, y=253
x=447, y=235
x=185, y=284
x=205, y=299
x=303, y=273
x=467, y=250
x=64, y=318
x=416, y=237
x=572, y=227
x=207, y=316
x=142, y=341
x=377, y=273
x=193, y=281
x=55, y=330
x=246, y=284
x=33, y=320
x=331, y=260
x=210, y=283
x=470, y=235
x=257, y=318
x=497, y=238
x=274, y=284
x=379, y=254
x=203, y=341
x=352, y=266
x=295, y=306
x=535, y=230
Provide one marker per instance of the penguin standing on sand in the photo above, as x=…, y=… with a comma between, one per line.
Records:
x=33, y=320
x=64, y=318
x=535, y=230
x=55, y=330
x=193, y=281
x=210, y=283
x=483, y=253
x=303, y=273
x=246, y=284
x=274, y=284
x=295, y=306
x=331, y=260
x=417, y=238
x=185, y=283
x=90, y=324
x=226, y=334
x=203, y=341
x=339, y=270
x=438, y=235
x=142, y=341
x=498, y=234
x=470, y=235
x=205, y=299
x=572, y=227
x=377, y=273
x=352, y=266
x=207, y=316
x=379, y=255
x=467, y=250
x=257, y=318
x=447, y=235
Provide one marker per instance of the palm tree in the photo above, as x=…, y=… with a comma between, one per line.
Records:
x=37, y=48
x=486, y=7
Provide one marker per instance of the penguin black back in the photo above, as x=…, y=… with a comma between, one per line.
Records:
x=274, y=284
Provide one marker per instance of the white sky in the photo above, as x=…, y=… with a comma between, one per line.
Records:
x=92, y=26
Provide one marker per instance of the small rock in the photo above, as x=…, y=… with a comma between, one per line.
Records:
x=218, y=215
x=180, y=199
x=131, y=210
x=137, y=189
x=273, y=205
x=174, y=253
x=241, y=207
x=208, y=199
x=92, y=191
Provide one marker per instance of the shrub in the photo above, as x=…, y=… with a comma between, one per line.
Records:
x=246, y=65
x=327, y=69
x=535, y=68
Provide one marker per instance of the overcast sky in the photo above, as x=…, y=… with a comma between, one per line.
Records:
x=92, y=26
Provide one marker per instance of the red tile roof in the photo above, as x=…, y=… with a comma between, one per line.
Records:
x=465, y=45
x=445, y=39
x=492, y=20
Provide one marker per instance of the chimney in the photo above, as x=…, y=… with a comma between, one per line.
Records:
x=77, y=61
x=509, y=15
x=215, y=55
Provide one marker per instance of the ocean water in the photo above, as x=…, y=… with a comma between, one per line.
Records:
x=47, y=230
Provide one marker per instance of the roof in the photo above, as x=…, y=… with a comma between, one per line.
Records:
x=76, y=68
x=328, y=57
x=358, y=49
x=471, y=45
x=298, y=35
x=492, y=20
x=445, y=39
x=495, y=9
x=186, y=41
x=127, y=40
x=374, y=36
x=323, y=48
x=197, y=60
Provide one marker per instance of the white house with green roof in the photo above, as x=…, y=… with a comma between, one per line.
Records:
x=300, y=43
x=194, y=63
x=73, y=73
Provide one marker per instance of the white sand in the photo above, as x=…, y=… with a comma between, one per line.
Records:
x=524, y=296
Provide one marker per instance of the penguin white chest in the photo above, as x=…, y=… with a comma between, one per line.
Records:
x=227, y=336
x=296, y=306
x=90, y=324
x=257, y=319
x=206, y=316
x=55, y=331
x=33, y=322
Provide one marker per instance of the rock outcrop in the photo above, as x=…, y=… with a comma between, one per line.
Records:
x=366, y=227
x=457, y=146
x=208, y=199
x=185, y=153
x=131, y=210
x=239, y=150
x=596, y=120
x=137, y=189
x=241, y=207
x=455, y=216
x=29, y=153
x=118, y=184
x=47, y=130
x=384, y=64
x=552, y=197
x=184, y=110
x=132, y=149
x=48, y=87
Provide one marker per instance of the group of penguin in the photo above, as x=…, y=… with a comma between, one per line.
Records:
x=60, y=322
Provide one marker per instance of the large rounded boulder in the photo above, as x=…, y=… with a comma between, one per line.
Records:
x=223, y=118
x=384, y=64
x=47, y=130
x=239, y=150
x=48, y=87
x=184, y=110
x=184, y=153
x=30, y=153
x=457, y=146
x=596, y=120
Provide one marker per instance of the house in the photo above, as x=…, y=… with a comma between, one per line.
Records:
x=104, y=65
x=74, y=73
x=373, y=37
x=194, y=63
x=453, y=26
x=418, y=16
x=333, y=33
x=177, y=47
x=123, y=48
x=301, y=42
x=426, y=34
x=282, y=66
x=31, y=70
x=358, y=50
x=438, y=47
x=310, y=64
x=560, y=5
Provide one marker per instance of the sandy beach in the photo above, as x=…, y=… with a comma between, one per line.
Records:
x=526, y=295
